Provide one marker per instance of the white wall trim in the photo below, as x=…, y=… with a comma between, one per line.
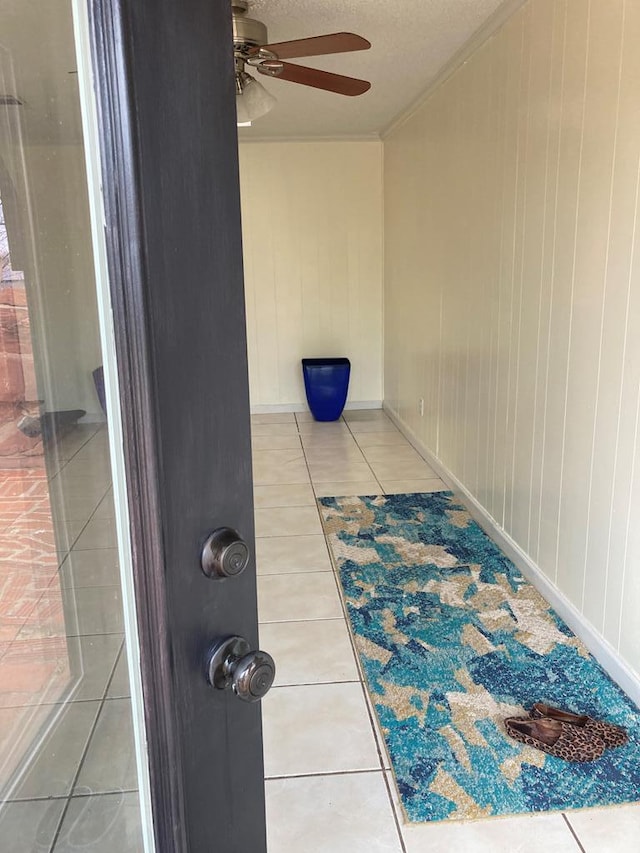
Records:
x=302, y=407
x=599, y=647
x=491, y=26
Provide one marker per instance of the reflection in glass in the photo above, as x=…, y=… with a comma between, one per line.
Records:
x=67, y=764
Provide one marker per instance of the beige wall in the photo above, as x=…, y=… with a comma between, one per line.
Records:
x=312, y=231
x=512, y=289
x=53, y=234
x=67, y=334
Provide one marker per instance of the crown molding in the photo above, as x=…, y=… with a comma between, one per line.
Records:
x=490, y=27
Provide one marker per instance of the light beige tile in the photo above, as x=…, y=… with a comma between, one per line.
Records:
x=527, y=834
x=355, y=472
x=323, y=428
x=97, y=610
x=76, y=499
x=89, y=662
x=360, y=427
x=287, y=521
x=275, y=442
x=110, y=764
x=53, y=770
x=339, y=462
x=310, y=652
x=120, y=687
x=65, y=489
x=67, y=532
x=293, y=597
x=403, y=471
x=68, y=446
x=90, y=568
x=304, y=417
x=266, y=496
x=337, y=439
x=392, y=454
x=90, y=463
x=333, y=489
x=277, y=555
x=340, y=459
x=278, y=456
x=330, y=814
x=402, y=487
x=279, y=467
x=105, y=508
x=274, y=429
x=611, y=830
x=102, y=823
x=287, y=474
x=273, y=418
x=359, y=415
x=333, y=455
x=31, y=825
x=99, y=533
x=382, y=439
x=97, y=658
x=322, y=728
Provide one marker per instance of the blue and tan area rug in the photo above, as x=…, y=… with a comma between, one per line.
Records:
x=452, y=640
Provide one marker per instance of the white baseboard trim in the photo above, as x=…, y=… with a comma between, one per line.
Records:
x=600, y=648
x=302, y=407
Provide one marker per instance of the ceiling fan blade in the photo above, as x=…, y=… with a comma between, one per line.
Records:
x=322, y=79
x=318, y=46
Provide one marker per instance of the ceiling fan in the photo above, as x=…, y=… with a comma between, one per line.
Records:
x=250, y=47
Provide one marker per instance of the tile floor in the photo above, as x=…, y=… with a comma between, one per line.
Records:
x=65, y=667
x=328, y=783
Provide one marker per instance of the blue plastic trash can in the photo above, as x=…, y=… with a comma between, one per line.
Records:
x=326, y=382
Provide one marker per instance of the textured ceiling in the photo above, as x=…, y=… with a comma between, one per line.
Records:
x=411, y=42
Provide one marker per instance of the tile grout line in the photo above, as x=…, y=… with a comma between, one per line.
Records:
x=321, y=773
x=73, y=456
x=573, y=832
x=380, y=748
x=349, y=633
x=314, y=683
x=298, y=621
x=85, y=750
x=394, y=810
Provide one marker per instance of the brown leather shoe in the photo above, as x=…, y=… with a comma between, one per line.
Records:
x=611, y=735
x=559, y=739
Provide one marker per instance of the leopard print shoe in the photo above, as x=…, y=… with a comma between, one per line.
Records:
x=611, y=735
x=559, y=739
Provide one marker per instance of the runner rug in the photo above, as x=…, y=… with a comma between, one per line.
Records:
x=452, y=639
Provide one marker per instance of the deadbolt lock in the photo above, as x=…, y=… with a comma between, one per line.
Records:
x=225, y=554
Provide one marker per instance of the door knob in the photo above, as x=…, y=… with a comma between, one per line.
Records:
x=225, y=554
x=232, y=664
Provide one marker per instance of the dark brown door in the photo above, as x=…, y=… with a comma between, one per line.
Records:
x=165, y=86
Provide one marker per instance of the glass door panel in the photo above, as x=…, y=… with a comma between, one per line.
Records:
x=68, y=769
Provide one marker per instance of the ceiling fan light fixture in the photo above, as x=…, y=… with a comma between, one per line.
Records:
x=252, y=48
x=252, y=100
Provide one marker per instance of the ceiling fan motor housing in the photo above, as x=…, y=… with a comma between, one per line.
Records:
x=247, y=32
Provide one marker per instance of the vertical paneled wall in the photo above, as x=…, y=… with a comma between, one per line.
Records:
x=512, y=293
x=312, y=232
